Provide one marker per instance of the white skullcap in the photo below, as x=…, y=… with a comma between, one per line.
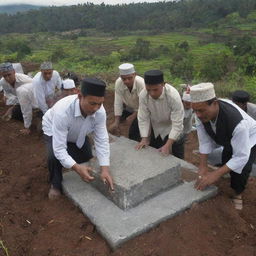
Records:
x=202, y=92
x=68, y=84
x=186, y=97
x=126, y=69
x=46, y=65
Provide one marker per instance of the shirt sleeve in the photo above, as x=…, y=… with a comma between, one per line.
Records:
x=118, y=103
x=59, y=140
x=177, y=115
x=40, y=95
x=143, y=116
x=240, y=154
x=101, y=139
x=206, y=144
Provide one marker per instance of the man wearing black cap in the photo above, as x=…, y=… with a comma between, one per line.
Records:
x=66, y=126
x=242, y=98
x=160, y=107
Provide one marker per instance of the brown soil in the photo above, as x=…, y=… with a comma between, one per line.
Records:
x=31, y=225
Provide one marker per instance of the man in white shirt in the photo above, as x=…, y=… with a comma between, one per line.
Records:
x=12, y=84
x=223, y=123
x=46, y=83
x=66, y=126
x=160, y=107
x=127, y=89
x=242, y=98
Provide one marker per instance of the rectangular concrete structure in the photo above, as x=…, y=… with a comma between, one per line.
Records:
x=116, y=225
x=138, y=175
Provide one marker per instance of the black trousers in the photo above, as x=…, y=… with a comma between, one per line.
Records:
x=134, y=132
x=177, y=146
x=239, y=181
x=80, y=155
x=16, y=113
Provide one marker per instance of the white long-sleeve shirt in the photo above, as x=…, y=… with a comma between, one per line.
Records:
x=44, y=90
x=165, y=114
x=27, y=101
x=65, y=123
x=124, y=96
x=10, y=92
x=243, y=139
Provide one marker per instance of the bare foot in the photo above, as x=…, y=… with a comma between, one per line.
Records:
x=53, y=193
x=238, y=202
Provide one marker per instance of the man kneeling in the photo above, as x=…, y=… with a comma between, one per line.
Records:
x=66, y=126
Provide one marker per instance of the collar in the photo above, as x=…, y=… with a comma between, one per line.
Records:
x=78, y=110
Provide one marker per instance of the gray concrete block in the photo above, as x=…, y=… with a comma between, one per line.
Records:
x=138, y=175
x=118, y=226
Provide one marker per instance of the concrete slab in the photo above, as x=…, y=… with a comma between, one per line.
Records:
x=118, y=226
x=138, y=175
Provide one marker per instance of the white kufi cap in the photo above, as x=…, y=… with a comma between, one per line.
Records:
x=126, y=69
x=202, y=92
x=68, y=84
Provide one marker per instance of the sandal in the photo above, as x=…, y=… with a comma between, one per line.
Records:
x=238, y=202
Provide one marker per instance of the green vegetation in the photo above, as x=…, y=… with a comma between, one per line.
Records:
x=223, y=52
x=2, y=247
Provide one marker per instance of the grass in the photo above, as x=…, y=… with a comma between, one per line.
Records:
x=2, y=246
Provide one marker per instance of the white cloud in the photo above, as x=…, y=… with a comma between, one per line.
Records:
x=70, y=2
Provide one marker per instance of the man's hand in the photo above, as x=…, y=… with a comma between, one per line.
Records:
x=206, y=180
x=202, y=170
x=84, y=172
x=25, y=131
x=144, y=143
x=106, y=177
x=165, y=149
x=114, y=129
x=8, y=114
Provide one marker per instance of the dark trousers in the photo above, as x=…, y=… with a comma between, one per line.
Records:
x=177, y=146
x=16, y=113
x=80, y=155
x=134, y=132
x=239, y=181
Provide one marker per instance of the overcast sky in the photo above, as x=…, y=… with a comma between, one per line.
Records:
x=70, y=2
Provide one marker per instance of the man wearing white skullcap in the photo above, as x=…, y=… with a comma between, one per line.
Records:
x=18, y=94
x=45, y=83
x=222, y=122
x=127, y=89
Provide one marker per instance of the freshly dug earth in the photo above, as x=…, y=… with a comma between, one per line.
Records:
x=31, y=225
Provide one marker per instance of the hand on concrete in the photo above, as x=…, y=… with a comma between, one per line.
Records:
x=165, y=150
x=114, y=129
x=84, y=172
x=25, y=131
x=144, y=143
x=207, y=180
x=107, y=179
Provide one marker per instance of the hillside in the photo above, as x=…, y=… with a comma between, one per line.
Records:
x=14, y=8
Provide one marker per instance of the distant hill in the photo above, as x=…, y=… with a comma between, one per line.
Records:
x=14, y=8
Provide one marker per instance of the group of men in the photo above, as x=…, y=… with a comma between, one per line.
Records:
x=157, y=114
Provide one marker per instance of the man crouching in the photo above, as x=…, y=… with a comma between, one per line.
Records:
x=66, y=126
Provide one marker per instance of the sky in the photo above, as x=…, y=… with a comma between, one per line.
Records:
x=70, y=2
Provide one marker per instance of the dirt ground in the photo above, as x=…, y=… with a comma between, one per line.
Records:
x=31, y=225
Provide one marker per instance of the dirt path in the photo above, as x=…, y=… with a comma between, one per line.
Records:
x=31, y=225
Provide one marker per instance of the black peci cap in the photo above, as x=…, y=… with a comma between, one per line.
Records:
x=153, y=77
x=93, y=86
x=240, y=96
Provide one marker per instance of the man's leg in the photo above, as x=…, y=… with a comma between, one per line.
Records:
x=16, y=113
x=239, y=181
x=178, y=148
x=54, y=165
x=134, y=132
x=80, y=155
